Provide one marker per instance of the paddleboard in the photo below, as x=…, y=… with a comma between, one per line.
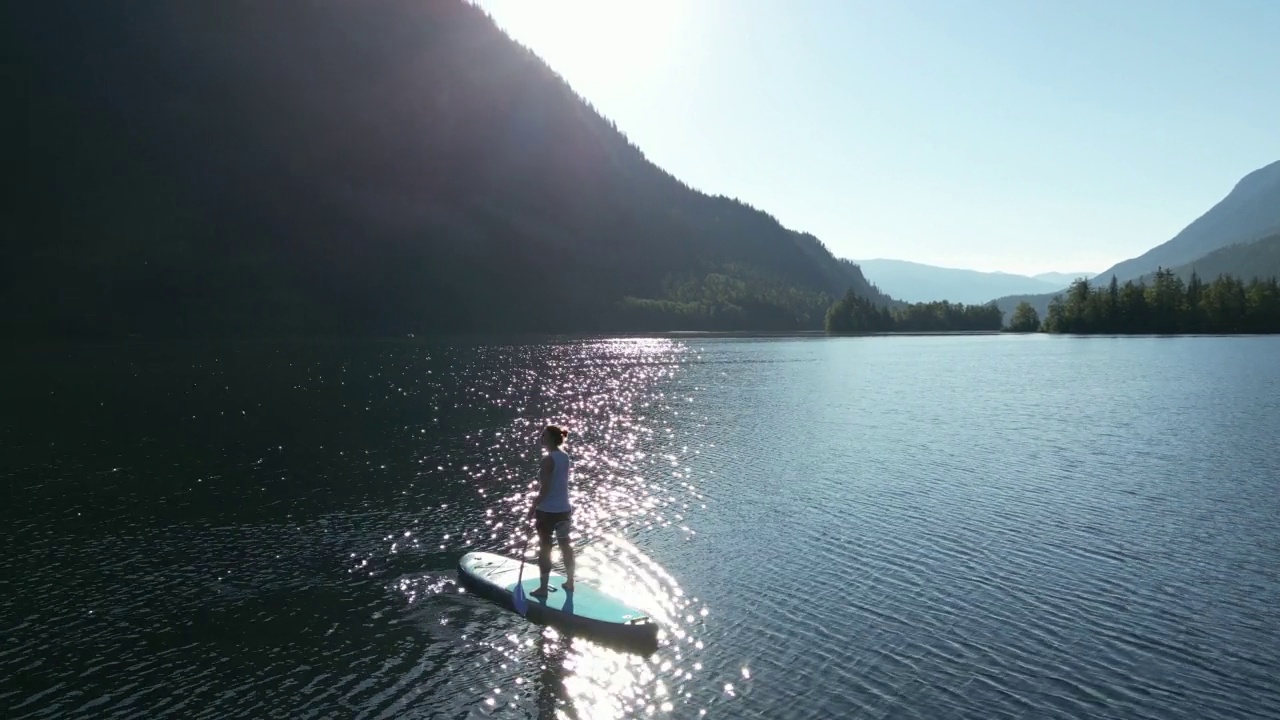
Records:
x=587, y=610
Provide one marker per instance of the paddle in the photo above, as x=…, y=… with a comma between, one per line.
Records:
x=517, y=595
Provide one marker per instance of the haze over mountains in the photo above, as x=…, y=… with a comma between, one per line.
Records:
x=1235, y=225
x=1062, y=279
x=329, y=167
x=918, y=282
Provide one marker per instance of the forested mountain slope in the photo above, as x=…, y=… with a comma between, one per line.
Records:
x=1249, y=212
x=1246, y=261
x=329, y=167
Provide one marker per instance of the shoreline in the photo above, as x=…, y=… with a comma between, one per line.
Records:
x=500, y=338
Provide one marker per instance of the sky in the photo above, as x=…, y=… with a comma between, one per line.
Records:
x=1017, y=135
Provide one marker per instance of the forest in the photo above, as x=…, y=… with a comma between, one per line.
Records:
x=1166, y=306
x=856, y=314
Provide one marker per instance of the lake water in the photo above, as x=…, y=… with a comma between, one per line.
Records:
x=906, y=527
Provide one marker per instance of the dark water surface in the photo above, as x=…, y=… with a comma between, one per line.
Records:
x=913, y=527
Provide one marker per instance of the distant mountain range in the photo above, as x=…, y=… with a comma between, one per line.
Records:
x=1248, y=214
x=1062, y=279
x=918, y=282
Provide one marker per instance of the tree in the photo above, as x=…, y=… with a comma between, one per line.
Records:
x=1193, y=321
x=855, y=314
x=1113, y=305
x=1166, y=298
x=1025, y=319
x=1133, y=308
x=1227, y=305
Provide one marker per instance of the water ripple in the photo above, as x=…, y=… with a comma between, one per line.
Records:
x=894, y=527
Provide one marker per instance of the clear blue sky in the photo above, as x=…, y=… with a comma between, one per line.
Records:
x=1017, y=135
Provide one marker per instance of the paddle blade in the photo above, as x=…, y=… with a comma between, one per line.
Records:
x=518, y=599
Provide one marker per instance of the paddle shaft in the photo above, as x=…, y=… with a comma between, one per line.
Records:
x=523, y=551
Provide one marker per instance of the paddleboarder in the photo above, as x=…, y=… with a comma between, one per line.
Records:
x=551, y=510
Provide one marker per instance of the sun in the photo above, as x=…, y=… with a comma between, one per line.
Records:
x=594, y=42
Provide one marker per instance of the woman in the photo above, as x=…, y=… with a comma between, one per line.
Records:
x=551, y=509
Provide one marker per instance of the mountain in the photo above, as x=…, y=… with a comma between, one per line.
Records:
x=246, y=168
x=917, y=282
x=1259, y=259
x=1249, y=212
x=1060, y=279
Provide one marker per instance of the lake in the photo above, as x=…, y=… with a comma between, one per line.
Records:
x=906, y=527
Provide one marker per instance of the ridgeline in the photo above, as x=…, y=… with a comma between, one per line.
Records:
x=1230, y=237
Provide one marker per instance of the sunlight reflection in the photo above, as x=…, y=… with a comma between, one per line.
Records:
x=602, y=682
x=629, y=476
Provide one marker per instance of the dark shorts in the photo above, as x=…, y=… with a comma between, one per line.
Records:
x=547, y=523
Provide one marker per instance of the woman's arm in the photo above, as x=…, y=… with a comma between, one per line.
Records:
x=544, y=482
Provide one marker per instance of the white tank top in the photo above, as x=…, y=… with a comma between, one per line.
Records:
x=557, y=497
